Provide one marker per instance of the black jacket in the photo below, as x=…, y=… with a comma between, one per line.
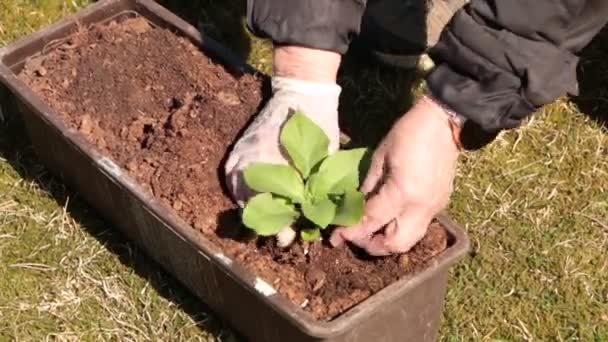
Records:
x=497, y=60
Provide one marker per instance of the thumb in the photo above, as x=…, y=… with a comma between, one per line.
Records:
x=401, y=234
x=379, y=210
x=375, y=171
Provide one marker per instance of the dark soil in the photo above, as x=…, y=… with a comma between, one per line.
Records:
x=165, y=112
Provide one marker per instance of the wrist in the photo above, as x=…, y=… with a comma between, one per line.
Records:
x=306, y=64
x=455, y=121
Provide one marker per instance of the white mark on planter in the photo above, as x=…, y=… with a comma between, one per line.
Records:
x=264, y=288
x=110, y=166
x=224, y=259
x=304, y=304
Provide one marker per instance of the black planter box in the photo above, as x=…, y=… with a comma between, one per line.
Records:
x=408, y=310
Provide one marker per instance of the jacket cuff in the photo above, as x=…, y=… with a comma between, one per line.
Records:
x=494, y=77
x=318, y=24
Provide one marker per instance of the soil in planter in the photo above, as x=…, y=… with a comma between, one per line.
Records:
x=166, y=113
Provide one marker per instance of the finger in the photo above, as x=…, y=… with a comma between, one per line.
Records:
x=231, y=175
x=375, y=172
x=380, y=209
x=240, y=190
x=286, y=237
x=401, y=235
x=235, y=182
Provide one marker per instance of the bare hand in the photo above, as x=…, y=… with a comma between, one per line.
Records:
x=409, y=182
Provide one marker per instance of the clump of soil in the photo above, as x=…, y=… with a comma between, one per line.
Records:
x=160, y=108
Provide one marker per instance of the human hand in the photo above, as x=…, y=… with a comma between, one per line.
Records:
x=297, y=86
x=409, y=182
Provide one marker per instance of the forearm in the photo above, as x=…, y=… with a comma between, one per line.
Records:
x=306, y=64
x=497, y=61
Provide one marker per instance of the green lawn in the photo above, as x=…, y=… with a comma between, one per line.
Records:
x=534, y=203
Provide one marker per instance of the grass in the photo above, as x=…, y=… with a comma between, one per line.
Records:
x=533, y=202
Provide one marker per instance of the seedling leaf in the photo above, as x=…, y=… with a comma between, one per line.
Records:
x=316, y=188
x=320, y=213
x=310, y=234
x=353, y=180
x=350, y=209
x=337, y=174
x=282, y=180
x=305, y=142
x=267, y=216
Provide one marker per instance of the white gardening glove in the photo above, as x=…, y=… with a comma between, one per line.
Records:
x=260, y=142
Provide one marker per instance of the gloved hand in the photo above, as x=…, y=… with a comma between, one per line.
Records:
x=409, y=182
x=260, y=142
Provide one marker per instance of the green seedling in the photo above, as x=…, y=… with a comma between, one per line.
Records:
x=315, y=191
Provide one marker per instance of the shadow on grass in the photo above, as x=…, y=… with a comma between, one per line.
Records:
x=593, y=80
x=373, y=97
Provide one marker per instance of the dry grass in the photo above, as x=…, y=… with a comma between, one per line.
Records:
x=534, y=204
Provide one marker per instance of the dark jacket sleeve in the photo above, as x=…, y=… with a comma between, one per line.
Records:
x=498, y=61
x=320, y=24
